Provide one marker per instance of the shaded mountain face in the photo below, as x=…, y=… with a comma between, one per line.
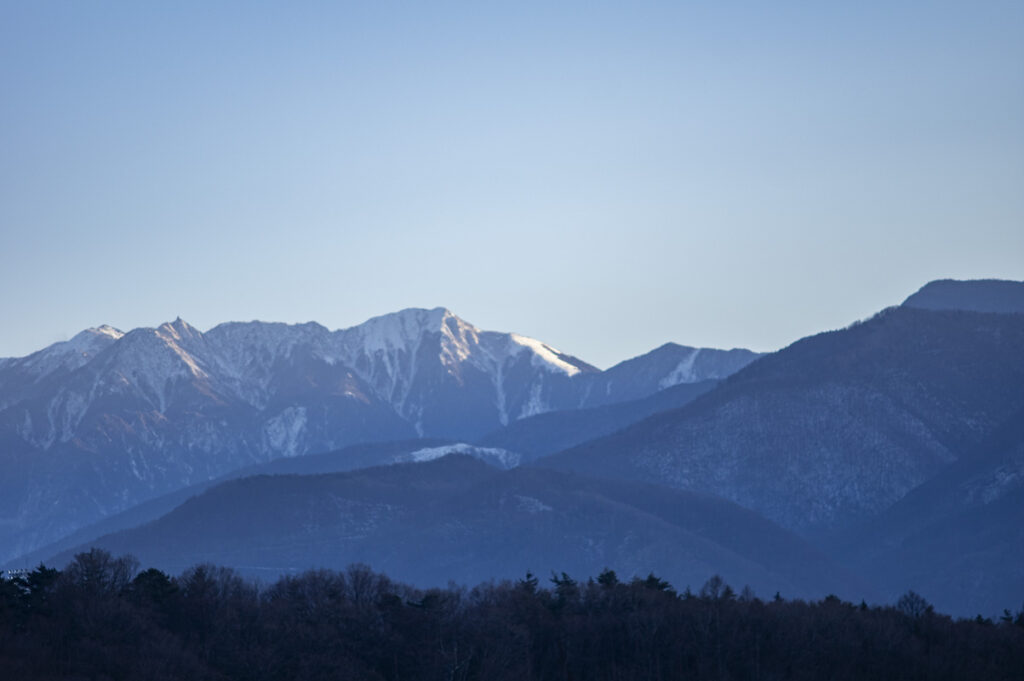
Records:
x=554, y=431
x=347, y=459
x=456, y=518
x=979, y=295
x=836, y=427
x=110, y=419
x=957, y=539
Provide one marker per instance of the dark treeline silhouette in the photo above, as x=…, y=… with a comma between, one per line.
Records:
x=101, y=619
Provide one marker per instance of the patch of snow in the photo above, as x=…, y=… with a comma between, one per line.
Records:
x=532, y=505
x=284, y=432
x=501, y=400
x=396, y=331
x=72, y=410
x=535, y=404
x=544, y=356
x=683, y=373
x=996, y=484
x=24, y=429
x=500, y=457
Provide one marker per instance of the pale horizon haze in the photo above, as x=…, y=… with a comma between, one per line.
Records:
x=605, y=177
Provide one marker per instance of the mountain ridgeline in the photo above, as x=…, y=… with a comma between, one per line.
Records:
x=981, y=295
x=836, y=427
x=108, y=419
x=862, y=462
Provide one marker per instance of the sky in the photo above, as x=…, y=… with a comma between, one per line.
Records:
x=605, y=177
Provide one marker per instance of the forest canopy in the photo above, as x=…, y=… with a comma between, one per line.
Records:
x=103, y=618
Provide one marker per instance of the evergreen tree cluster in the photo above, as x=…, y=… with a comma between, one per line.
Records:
x=102, y=619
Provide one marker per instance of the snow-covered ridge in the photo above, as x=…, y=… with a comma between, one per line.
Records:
x=502, y=458
x=430, y=370
x=389, y=352
x=398, y=330
x=544, y=355
x=240, y=347
x=70, y=354
x=401, y=358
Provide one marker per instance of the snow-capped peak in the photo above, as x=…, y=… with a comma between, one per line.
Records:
x=398, y=330
x=90, y=341
x=70, y=354
x=163, y=352
x=105, y=330
x=178, y=330
x=412, y=360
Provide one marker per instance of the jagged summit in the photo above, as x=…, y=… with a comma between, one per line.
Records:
x=415, y=360
x=404, y=328
x=178, y=329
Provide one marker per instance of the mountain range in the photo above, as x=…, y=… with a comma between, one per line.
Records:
x=836, y=427
x=94, y=425
x=864, y=461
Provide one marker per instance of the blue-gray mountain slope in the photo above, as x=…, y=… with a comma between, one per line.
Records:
x=836, y=427
x=458, y=519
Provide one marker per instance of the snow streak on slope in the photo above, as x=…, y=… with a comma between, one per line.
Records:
x=545, y=356
x=683, y=373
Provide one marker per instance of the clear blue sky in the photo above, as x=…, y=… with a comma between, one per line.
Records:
x=603, y=176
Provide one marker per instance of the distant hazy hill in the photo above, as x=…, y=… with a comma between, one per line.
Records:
x=836, y=427
x=980, y=295
x=456, y=518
